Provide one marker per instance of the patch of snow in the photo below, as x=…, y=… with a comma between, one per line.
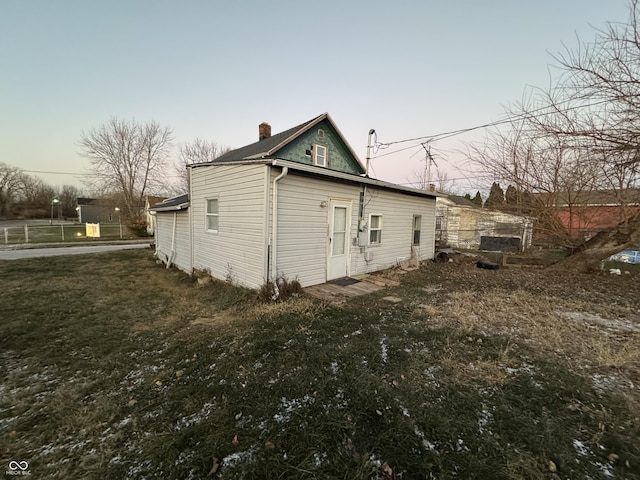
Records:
x=605, y=468
x=342, y=403
x=486, y=417
x=137, y=469
x=319, y=458
x=235, y=459
x=189, y=420
x=605, y=383
x=581, y=448
x=460, y=446
x=383, y=348
x=619, y=324
x=123, y=423
x=334, y=367
x=290, y=406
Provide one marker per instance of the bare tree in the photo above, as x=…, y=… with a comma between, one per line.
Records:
x=68, y=196
x=440, y=181
x=128, y=159
x=196, y=151
x=11, y=185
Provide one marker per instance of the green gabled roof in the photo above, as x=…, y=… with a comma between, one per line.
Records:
x=269, y=147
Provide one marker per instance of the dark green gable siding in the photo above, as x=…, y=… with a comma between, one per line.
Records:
x=339, y=156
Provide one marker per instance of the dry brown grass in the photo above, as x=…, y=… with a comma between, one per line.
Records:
x=536, y=319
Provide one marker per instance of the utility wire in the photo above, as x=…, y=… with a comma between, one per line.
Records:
x=509, y=119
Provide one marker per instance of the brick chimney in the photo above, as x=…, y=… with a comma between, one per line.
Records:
x=264, y=131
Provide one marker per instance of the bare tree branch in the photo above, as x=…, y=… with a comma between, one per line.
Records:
x=128, y=159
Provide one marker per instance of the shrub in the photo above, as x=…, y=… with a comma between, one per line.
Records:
x=279, y=290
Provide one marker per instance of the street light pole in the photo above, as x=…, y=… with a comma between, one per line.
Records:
x=55, y=201
x=119, y=221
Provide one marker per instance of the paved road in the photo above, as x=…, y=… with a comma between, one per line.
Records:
x=77, y=250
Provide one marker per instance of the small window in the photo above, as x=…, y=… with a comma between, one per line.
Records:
x=375, y=229
x=212, y=215
x=321, y=133
x=439, y=222
x=417, y=222
x=320, y=155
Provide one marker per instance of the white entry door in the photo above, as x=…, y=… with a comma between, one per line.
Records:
x=338, y=246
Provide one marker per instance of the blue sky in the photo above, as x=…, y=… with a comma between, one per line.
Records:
x=216, y=69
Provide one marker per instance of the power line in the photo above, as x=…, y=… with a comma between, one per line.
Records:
x=56, y=173
x=508, y=119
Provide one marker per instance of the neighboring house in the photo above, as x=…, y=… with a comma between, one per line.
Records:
x=149, y=216
x=461, y=223
x=593, y=211
x=97, y=210
x=296, y=204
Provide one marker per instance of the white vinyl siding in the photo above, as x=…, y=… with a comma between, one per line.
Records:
x=237, y=252
x=303, y=225
x=164, y=238
x=397, y=210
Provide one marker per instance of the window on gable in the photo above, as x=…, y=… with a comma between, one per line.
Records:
x=320, y=155
x=375, y=229
x=212, y=215
x=417, y=223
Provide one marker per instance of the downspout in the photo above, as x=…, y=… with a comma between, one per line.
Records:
x=274, y=220
x=190, y=217
x=173, y=240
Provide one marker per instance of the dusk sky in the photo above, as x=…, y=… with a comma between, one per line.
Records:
x=216, y=69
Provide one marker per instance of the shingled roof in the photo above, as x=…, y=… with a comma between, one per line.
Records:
x=268, y=147
x=175, y=203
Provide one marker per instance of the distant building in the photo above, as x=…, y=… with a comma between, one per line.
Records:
x=590, y=212
x=461, y=223
x=149, y=216
x=97, y=210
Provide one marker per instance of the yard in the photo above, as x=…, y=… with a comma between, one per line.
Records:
x=114, y=367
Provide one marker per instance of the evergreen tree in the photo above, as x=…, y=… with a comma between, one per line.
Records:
x=511, y=196
x=496, y=197
x=477, y=199
x=467, y=196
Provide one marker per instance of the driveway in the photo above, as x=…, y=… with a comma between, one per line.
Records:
x=75, y=250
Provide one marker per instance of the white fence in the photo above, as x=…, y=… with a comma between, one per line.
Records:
x=70, y=232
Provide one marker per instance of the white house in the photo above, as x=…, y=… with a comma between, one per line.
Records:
x=296, y=204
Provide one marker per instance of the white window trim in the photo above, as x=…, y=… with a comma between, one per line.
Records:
x=207, y=215
x=377, y=229
x=315, y=155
